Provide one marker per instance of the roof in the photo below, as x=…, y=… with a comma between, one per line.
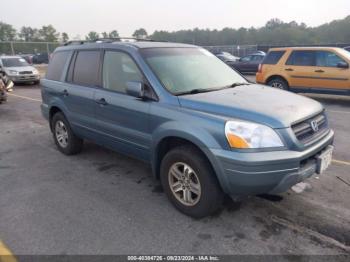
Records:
x=133, y=44
x=304, y=48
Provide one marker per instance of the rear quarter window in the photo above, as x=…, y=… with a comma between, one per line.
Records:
x=56, y=65
x=273, y=57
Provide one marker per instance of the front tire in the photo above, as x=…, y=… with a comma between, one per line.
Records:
x=66, y=141
x=190, y=182
x=279, y=83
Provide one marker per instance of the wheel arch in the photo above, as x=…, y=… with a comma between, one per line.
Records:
x=166, y=143
x=54, y=110
x=277, y=76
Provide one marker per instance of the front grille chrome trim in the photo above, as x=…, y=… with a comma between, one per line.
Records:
x=305, y=134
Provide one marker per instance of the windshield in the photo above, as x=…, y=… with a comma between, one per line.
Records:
x=14, y=62
x=344, y=53
x=183, y=70
x=227, y=55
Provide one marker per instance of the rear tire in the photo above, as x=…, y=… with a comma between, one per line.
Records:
x=66, y=141
x=196, y=192
x=279, y=83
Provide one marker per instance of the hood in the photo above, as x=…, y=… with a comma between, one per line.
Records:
x=257, y=103
x=20, y=68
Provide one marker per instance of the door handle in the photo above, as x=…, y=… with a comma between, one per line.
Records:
x=65, y=92
x=289, y=69
x=102, y=102
x=319, y=71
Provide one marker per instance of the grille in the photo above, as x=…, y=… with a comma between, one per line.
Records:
x=25, y=72
x=304, y=131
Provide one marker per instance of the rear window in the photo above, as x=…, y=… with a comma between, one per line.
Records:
x=273, y=57
x=86, y=69
x=56, y=65
x=302, y=58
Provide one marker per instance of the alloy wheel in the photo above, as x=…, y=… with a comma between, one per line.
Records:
x=184, y=184
x=61, y=133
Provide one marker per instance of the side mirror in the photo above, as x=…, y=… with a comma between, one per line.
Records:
x=343, y=65
x=135, y=88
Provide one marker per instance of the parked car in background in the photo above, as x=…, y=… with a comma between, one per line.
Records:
x=41, y=58
x=249, y=63
x=307, y=69
x=204, y=129
x=28, y=58
x=18, y=70
x=226, y=57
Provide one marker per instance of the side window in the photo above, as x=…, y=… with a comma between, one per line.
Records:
x=327, y=59
x=257, y=58
x=86, y=68
x=56, y=65
x=302, y=58
x=273, y=57
x=118, y=69
x=246, y=58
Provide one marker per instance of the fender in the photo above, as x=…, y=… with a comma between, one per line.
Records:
x=198, y=136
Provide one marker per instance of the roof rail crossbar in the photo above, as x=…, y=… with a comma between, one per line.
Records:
x=116, y=39
x=76, y=42
x=108, y=40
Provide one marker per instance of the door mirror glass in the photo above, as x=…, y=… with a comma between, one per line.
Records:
x=342, y=65
x=135, y=89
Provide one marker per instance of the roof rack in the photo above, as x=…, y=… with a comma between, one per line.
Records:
x=109, y=40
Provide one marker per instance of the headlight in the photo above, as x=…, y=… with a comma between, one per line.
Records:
x=13, y=72
x=35, y=72
x=241, y=134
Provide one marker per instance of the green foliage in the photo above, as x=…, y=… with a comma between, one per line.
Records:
x=275, y=32
x=140, y=33
x=48, y=34
x=92, y=36
x=113, y=34
x=64, y=37
x=29, y=34
x=7, y=32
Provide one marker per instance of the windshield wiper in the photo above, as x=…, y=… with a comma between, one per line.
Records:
x=195, y=91
x=199, y=90
x=237, y=84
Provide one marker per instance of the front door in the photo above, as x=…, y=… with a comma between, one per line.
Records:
x=122, y=120
x=329, y=74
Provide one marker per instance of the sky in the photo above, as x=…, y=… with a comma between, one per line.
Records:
x=78, y=17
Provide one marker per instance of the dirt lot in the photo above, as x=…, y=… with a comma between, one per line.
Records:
x=100, y=202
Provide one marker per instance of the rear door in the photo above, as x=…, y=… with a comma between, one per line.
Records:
x=123, y=120
x=300, y=68
x=82, y=80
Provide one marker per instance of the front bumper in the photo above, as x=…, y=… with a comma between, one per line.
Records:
x=24, y=78
x=266, y=172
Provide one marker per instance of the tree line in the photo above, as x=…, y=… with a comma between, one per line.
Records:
x=274, y=32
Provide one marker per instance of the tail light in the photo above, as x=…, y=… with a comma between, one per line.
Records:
x=260, y=68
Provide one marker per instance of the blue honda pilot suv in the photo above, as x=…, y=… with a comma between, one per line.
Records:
x=205, y=130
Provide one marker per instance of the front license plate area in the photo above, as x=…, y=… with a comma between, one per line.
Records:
x=324, y=160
